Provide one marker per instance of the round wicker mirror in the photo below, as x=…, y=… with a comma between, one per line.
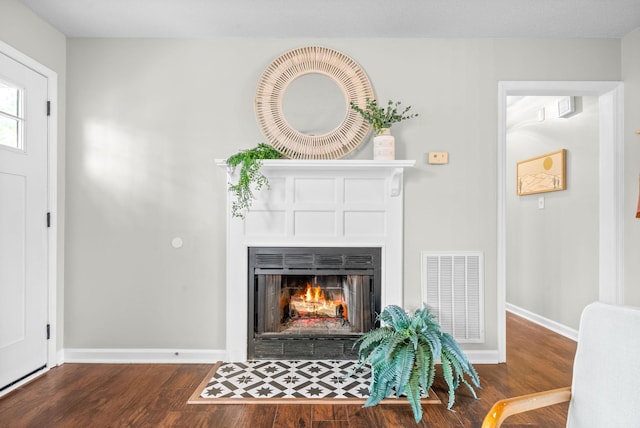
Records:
x=273, y=84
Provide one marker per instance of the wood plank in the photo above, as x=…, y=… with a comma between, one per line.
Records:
x=293, y=416
x=329, y=412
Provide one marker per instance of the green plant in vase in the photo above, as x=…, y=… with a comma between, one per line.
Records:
x=381, y=117
x=402, y=355
x=250, y=178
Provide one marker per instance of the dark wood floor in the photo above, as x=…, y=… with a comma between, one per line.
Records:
x=155, y=395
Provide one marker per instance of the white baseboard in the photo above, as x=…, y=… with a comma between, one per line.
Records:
x=144, y=356
x=554, y=326
x=193, y=356
x=188, y=356
x=482, y=356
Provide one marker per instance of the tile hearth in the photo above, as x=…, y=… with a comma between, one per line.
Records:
x=289, y=379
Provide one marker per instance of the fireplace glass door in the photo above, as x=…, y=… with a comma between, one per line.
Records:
x=311, y=302
x=295, y=305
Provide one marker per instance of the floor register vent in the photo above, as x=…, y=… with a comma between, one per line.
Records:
x=453, y=286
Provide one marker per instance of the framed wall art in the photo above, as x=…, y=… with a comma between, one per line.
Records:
x=544, y=173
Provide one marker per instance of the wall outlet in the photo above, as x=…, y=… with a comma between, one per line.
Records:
x=438, y=158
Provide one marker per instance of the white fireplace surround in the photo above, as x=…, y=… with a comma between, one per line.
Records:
x=321, y=203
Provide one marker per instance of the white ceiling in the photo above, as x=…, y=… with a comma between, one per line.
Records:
x=340, y=18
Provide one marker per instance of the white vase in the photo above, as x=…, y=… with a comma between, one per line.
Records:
x=384, y=146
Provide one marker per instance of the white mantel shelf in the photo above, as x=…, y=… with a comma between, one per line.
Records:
x=316, y=203
x=331, y=164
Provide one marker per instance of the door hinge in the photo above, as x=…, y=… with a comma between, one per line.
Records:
x=49, y=219
x=48, y=331
x=48, y=108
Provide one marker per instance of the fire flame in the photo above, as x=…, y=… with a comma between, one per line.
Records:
x=313, y=301
x=315, y=295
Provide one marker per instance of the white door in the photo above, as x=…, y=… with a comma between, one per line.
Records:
x=23, y=221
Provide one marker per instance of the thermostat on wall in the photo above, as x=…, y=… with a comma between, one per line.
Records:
x=438, y=158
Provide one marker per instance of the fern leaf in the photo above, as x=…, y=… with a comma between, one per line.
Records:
x=470, y=388
x=455, y=353
x=393, y=343
x=396, y=317
x=413, y=396
x=448, y=377
x=425, y=368
x=449, y=343
x=428, y=319
x=457, y=369
x=433, y=340
x=372, y=339
x=376, y=393
x=460, y=371
x=403, y=362
x=383, y=377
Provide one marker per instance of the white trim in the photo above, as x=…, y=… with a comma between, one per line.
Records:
x=554, y=326
x=501, y=251
x=195, y=356
x=486, y=356
x=53, y=209
x=52, y=144
x=611, y=193
x=144, y=356
x=611, y=234
x=330, y=164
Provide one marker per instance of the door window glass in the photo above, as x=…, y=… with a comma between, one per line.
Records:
x=11, y=116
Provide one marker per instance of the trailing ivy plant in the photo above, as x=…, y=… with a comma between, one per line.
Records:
x=382, y=117
x=402, y=354
x=250, y=177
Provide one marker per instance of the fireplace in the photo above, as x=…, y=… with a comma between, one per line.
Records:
x=311, y=302
x=313, y=204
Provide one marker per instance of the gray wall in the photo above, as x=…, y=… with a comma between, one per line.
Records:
x=552, y=253
x=146, y=119
x=29, y=34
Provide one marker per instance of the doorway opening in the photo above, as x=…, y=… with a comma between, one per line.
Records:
x=610, y=153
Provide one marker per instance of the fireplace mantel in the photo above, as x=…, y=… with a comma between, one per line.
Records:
x=322, y=203
x=395, y=167
x=331, y=164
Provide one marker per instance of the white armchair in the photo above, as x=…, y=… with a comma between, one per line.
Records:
x=605, y=390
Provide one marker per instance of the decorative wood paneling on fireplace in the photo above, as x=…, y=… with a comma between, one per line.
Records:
x=311, y=203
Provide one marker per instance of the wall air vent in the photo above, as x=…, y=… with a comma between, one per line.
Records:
x=453, y=287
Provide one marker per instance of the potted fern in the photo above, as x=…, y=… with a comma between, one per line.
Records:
x=250, y=178
x=403, y=352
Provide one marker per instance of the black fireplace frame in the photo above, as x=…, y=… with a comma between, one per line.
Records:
x=309, y=261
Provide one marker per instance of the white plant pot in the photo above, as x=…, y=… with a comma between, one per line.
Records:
x=384, y=146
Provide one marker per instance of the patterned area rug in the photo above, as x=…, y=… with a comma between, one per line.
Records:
x=282, y=381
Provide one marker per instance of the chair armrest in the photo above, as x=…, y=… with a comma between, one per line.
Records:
x=510, y=406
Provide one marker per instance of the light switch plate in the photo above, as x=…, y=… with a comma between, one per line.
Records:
x=438, y=158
